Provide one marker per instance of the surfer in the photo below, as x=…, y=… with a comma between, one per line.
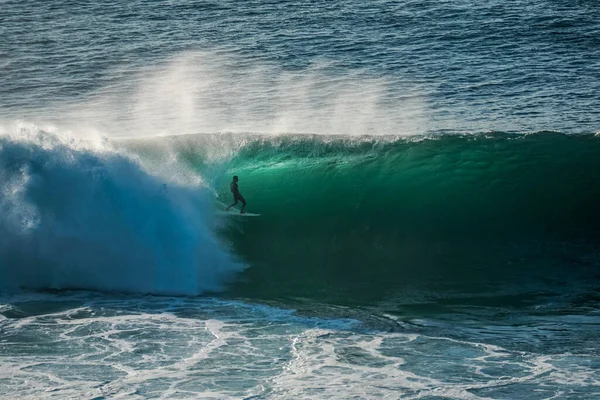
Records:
x=233, y=186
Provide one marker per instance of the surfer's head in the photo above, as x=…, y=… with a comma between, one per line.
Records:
x=235, y=178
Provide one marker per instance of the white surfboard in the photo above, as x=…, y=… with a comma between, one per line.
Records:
x=236, y=213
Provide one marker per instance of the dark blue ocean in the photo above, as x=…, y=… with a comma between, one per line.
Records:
x=427, y=175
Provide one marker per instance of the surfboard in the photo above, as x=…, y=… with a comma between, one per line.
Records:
x=236, y=213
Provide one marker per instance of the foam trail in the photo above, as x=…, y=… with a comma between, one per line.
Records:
x=80, y=214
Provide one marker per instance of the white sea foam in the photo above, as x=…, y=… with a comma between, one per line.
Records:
x=84, y=345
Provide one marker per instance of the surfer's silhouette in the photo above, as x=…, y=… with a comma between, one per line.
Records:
x=236, y=194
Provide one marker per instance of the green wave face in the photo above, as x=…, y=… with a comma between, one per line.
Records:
x=362, y=219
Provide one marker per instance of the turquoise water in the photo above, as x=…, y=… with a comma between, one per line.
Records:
x=426, y=174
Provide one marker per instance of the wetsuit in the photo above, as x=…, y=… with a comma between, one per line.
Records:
x=236, y=194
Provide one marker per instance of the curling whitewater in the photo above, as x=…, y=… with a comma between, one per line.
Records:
x=79, y=214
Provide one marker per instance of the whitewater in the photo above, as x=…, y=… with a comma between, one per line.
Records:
x=427, y=175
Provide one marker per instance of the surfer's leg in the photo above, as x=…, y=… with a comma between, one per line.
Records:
x=243, y=204
x=234, y=204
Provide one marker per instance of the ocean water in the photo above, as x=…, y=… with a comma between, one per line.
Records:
x=427, y=174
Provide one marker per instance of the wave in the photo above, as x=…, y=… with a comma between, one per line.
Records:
x=357, y=216
x=82, y=214
x=371, y=214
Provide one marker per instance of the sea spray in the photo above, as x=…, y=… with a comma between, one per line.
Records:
x=208, y=91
